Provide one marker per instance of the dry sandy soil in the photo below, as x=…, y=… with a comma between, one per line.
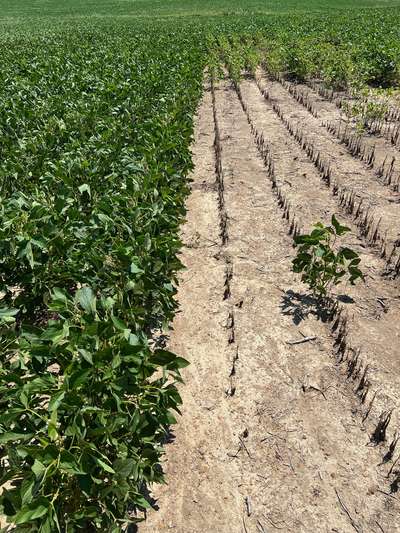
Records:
x=277, y=435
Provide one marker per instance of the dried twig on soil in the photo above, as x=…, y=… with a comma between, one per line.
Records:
x=273, y=524
x=300, y=341
x=388, y=494
x=308, y=388
x=245, y=447
x=272, y=435
x=242, y=446
x=383, y=304
x=357, y=527
x=234, y=455
x=260, y=527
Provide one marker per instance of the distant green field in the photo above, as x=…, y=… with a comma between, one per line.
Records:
x=171, y=8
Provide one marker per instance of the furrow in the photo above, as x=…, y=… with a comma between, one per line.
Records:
x=219, y=177
x=374, y=208
x=343, y=99
x=300, y=186
x=376, y=152
x=224, y=255
x=294, y=411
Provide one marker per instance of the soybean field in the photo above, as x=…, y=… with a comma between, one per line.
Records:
x=199, y=266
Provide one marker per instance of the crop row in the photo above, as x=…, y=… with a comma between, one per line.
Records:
x=95, y=149
x=358, y=53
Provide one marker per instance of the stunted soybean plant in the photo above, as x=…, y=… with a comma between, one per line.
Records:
x=321, y=262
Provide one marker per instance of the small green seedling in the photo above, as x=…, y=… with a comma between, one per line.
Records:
x=318, y=262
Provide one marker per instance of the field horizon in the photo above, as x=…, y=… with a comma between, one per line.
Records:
x=174, y=8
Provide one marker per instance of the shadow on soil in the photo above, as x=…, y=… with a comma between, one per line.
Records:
x=300, y=306
x=145, y=491
x=135, y=513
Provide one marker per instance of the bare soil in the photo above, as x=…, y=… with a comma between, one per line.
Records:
x=276, y=435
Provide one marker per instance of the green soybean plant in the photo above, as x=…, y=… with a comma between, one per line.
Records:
x=321, y=263
x=86, y=406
